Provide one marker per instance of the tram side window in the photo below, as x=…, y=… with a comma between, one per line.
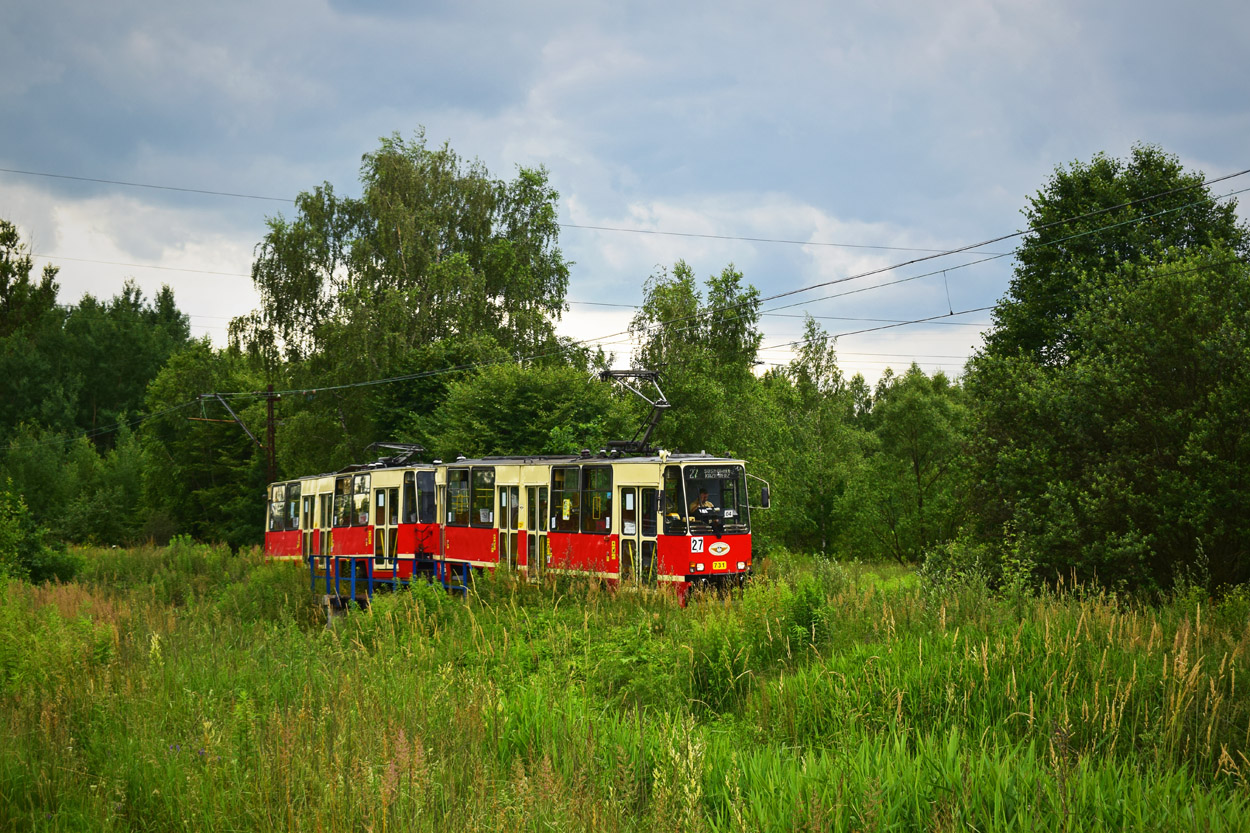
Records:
x=410, y=497
x=565, y=499
x=458, y=497
x=426, y=512
x=343, y=501
x=597, y=499
x=277, y=508
x=648, y=512
x=292, y=505
x=537, y=511
x=483, y=513
x=360, y=514
x=674, y=502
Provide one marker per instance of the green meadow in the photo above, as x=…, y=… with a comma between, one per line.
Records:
x=186, y=688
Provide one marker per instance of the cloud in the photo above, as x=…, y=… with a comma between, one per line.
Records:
x=99, y=243
x=889, y=123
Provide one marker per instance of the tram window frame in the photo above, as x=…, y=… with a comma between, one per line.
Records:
x=458, y=497
x=566, y=486
x=482, y=509
x=596, y=499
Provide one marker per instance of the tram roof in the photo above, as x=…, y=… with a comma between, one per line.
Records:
x=573, y=459
x=521, y=460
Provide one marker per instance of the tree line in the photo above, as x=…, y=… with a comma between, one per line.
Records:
x=1100, y=434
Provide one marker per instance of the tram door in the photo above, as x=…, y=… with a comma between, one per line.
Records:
x=326, y=515
x=648, y=517
x=385, y=521
x=638, y=525
x=509, y=516
x=629, y=532
x=306, y=524
x=536, y=540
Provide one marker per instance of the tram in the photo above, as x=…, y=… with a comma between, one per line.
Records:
x=627, y=514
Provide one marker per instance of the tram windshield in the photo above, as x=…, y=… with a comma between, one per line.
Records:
x=712, y=498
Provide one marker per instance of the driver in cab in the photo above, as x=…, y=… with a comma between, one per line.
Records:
x=701, y=503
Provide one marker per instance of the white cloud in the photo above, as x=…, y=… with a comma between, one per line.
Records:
x=100, y=243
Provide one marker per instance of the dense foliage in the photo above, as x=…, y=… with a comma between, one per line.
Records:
x=1110, y=434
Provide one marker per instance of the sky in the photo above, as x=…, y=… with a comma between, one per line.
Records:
x=804, y=143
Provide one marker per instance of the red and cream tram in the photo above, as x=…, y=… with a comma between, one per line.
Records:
x=669, y=519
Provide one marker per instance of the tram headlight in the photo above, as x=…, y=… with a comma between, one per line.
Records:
x=742, y=565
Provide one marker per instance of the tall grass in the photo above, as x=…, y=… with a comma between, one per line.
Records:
x=188, y=688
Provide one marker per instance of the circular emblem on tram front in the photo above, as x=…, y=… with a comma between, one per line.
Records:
x=719, y=548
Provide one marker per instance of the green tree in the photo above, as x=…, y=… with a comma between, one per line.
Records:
x=27, y=550
x=1089, y=219
x=22, y=301
x=910, y=489
x=434, y=248
x=507, y=409
x=33, y=385
x=438, y=266
x=115, y=349
x=704, y=350
x=204, y=478
x=1109, y=401
x=1132, y=469
x=798, y=431
x=80, y=367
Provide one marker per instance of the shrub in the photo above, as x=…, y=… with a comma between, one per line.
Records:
x=26, y=549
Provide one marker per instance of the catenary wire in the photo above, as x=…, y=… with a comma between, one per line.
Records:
x=588, y=342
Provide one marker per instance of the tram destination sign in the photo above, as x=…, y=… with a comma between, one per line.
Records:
x=712, y=472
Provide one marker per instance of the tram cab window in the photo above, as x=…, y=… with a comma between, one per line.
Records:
x=458, y=497
x=483, y=513
x=596, y=499
x=566, y=499
x=726, y=503
x=674, y=501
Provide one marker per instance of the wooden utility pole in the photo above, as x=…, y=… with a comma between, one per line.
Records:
x=270, y=444
x=271, y=455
